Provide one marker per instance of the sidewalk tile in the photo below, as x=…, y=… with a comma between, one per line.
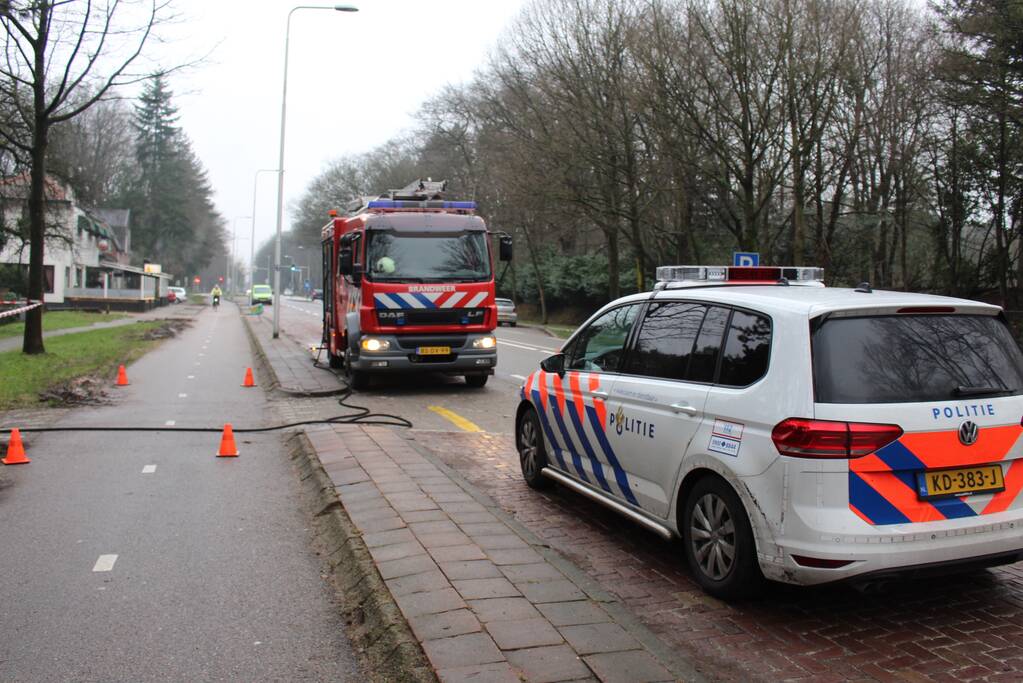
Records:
x=598, y=638
x=392, y=537
x=462, y=507
x=514, y=556
x=573, y=613
x=472, y=517
x=423, y=516
x=393, y=569
x=384, y=523
x=538, y=571
x=500, y=609
x=446, y=624
x=549, y=664
x=456, y=553
x=435, y=527
x=471, y=569
x=550, y=591
x=636, y=666
x=444, y=539
x=396, y=551
x=498, y=672
x=430, y=580
x=504, y=541
x=432, y=602
x=520, y=633
x=468, y=649
x=479, y=589
x=486, y=529
x=346, y=475
x=453, y=497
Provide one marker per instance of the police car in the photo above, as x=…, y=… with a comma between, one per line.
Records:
x=789, y=431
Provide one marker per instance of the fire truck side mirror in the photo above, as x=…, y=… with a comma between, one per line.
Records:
x=345, y=264
x=504, y=249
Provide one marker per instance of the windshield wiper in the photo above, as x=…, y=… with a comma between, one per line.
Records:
x=978, y=391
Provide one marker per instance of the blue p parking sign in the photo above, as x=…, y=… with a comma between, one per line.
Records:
x=750, y=258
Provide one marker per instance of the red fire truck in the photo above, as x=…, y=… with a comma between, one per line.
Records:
x=408, y=282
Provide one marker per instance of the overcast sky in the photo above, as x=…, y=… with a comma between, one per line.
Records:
x=354, y=81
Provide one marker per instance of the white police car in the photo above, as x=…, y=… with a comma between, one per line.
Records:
x=787, y=430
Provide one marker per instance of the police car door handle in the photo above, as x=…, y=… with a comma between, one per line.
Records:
x=684, y=408
x=602, y=395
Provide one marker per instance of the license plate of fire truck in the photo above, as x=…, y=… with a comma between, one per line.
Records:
x=433, y=350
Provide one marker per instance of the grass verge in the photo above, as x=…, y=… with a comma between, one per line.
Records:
x=563, y=331
x=68, y=357
x=61, y=320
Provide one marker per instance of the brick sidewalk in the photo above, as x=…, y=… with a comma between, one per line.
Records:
x=962, y=628
x=485, y=604
x=291, y=362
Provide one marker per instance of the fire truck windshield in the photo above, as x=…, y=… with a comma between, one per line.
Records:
x=427, y=257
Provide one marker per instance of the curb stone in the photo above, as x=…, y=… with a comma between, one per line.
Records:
x=683, y=669
x=376, y=626
x=275, y=382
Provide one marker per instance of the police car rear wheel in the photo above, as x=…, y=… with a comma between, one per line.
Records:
x=532, y=453
x=719, y=541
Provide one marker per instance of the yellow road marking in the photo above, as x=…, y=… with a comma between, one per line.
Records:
x=456, y=419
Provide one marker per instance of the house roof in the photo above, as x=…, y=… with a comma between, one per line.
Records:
x=16, y=187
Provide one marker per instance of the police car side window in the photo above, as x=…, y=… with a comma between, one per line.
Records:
x=665, y=342
x=704, y=361
x=747, y=348
x=599, y=346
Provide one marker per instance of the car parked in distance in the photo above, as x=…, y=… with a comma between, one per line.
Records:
x=506, y=314
x=177, y=295
x=317, y=294
x=261, y=294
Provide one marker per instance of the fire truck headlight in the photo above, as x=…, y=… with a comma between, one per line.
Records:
x=487, y=342
x=372, y=344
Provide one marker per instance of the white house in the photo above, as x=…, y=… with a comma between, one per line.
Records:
x=86, y=262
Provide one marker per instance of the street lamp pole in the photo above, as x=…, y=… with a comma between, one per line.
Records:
x=234, y=247
x=280, y=162
x=252, y=245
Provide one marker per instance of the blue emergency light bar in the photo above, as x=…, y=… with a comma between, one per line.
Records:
x=429, y=204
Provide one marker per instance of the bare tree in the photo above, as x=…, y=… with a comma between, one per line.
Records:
x=55, y=52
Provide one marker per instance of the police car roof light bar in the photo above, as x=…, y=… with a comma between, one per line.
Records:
x=703, y=275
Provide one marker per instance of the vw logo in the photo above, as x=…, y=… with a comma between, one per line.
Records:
x=968, y=432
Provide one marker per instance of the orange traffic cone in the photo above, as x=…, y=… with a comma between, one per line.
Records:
x=249, y=381
x=228, y=449
x=15, y=450
x=122, y=377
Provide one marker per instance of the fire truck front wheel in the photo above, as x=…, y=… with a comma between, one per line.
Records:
x=476, y=381
x=357, y=379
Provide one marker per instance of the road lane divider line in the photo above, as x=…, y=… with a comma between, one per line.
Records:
x=105, y=563
x=191, y=377
x=538, y=349
x=182, y=395
x=169, y=423
x=456, y=419
x=519, y=377
x=149, y=469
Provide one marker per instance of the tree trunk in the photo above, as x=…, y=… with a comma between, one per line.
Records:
x=613, y=266
x=537, y=273
x=33, y=340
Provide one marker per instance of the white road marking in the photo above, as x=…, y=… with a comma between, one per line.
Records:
x=202, y=354
x=538, y=349
x=182, y=395
x=191, y=377
x=105, y=563
x=169, y=423
x=149, y=469
x=519, y=377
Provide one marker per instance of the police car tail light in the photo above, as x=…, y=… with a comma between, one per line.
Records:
x=804, y=438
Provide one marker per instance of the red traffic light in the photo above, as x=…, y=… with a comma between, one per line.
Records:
x=221, y=278
x=196, y=280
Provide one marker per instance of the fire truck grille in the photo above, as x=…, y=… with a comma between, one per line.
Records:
x=436, y=316
x=413, y=342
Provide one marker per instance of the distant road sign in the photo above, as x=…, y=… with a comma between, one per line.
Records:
x=745, y=258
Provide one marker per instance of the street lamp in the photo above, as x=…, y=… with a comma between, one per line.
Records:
x=234, y=247
x=280, y=162
x=252, y=241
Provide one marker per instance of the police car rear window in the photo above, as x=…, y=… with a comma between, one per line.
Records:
x=913, y=358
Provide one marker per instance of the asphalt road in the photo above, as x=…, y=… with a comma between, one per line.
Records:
x=142, y=557
x=434, y=401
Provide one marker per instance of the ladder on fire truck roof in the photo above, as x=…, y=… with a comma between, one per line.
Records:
x=419, y=190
